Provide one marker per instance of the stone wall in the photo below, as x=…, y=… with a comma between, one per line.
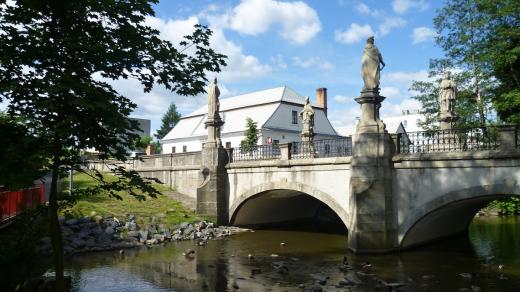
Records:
x=180, y=171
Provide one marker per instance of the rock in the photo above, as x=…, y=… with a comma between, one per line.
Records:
x=250, y=256
x=198, y=234
x=132, y=234
x=280, y=267
x=98, y=219
x=151, y=241
x=466, y=275
x=77, y=243
x=131, y=226
x=121, y=251
x=282, y=243
x=45, y=240
x=71, y=222
x=158, y=237
x=166, y=233
x=109, y=230
x=189, y=253
x=96, y=231
x=316, y=289
x=184, y=225
x=93, y=213
x=84, y=219
x=144, y=234
x=273, y=255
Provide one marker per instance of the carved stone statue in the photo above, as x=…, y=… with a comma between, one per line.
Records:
x=213, y=122
x=307, y=115
x=213, y=102
x=370, y=70
x=447, y=94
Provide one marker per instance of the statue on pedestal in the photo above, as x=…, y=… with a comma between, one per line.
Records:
x=213, y=122
x=370, y=69
x=307, y=115
x=307, y=134
x=447, y=98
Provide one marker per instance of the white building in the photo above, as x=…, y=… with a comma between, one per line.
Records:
x=410, y=119
x=276, y=112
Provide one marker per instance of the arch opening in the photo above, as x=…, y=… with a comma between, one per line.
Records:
x=289, y=210
x=447, y=221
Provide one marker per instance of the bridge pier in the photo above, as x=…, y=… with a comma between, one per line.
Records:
x=372, y=217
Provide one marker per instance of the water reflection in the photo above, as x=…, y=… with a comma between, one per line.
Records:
x=224, y=265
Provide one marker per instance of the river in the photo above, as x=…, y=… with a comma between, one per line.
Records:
x=487, y=259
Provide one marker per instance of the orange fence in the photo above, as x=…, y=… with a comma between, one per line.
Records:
x=13, y=203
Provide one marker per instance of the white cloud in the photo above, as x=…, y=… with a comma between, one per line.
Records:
x=279, y=61
x=389, y=24
x=239, y=65
x=298, y=22
x=342, y=99
x=345, y=117
x=401, y=6
x=406, y=78
x=363, y=8
x=313, y=62
x=422, y=34
x=389, y=109
x=354, y=33
x=390, y=92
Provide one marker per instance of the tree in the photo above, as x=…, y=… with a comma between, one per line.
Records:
x=501, y=50
x=142, y=142
x=169, y=120
x=51, y=56
x=21, y=152
x=459, y=27
x=251, y=136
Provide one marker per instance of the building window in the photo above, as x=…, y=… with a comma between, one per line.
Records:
x=228, y=144
x=184, y=148
x=173, y=149
x=418, y=122
x=327, y=149
x=276, y=142
x=295, y=117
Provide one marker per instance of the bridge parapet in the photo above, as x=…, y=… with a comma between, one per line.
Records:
x=502, y=137
x=295, y=150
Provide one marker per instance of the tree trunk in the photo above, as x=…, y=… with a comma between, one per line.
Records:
x=55, y=231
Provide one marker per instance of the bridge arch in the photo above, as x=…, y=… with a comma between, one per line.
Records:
x=450, y=213
x=289, y=188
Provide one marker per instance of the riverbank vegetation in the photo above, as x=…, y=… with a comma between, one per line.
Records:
x=162, y=208
x=509, y=206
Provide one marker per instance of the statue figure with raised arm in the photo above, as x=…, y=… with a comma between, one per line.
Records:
x=370, y=66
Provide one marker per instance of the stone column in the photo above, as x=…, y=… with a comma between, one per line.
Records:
x=372, y=223
x=212, y=194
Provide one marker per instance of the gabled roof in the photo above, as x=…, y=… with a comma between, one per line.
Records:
x=235, y=110
x=276, y=94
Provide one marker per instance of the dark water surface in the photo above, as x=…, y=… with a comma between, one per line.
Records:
x=223, y=265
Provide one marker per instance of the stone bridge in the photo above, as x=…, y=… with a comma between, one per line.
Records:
x=422, y=194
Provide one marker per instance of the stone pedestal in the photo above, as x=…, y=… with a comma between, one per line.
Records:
x=447, y=120
x=212, y=198
x=308, y=144
x=372, y=222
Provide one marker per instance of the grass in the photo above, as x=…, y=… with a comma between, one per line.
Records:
x=163, y=208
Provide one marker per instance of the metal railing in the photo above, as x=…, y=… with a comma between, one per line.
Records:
x=13, y=203
x=322, y=148
x=258, y=152
x=456, y=140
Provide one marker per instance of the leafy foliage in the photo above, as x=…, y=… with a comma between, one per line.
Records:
x=55, y=58
x=251, y=136
x=168, y=121
x=460, y=35
x=510, y=206
x=142, y=142
x=21, y=158
x=501, y=50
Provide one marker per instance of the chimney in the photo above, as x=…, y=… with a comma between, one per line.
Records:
x=321, y=98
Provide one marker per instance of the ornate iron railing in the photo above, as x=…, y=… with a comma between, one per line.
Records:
x=322, y=148
x=259, y=152
x=457, y=140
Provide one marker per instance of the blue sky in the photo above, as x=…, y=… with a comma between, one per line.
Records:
x=303, y=44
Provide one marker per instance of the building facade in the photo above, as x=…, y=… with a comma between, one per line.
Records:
x=275, y=112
